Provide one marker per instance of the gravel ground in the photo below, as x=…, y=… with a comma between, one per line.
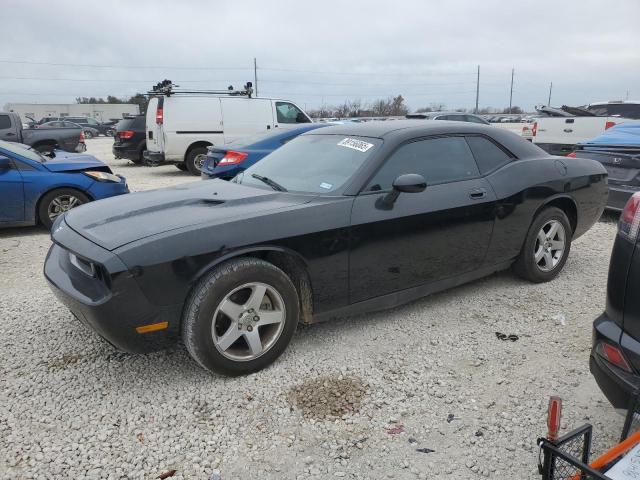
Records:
x=353, y=398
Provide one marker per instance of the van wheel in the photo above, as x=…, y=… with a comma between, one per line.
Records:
x=546, y=247
x=195, y=159
x=45, y=148
x=240, y=317
x=181, y=166
x=57, y=202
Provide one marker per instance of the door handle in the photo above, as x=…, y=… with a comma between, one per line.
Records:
x=477, y=194
x=10, y=134
x=568, y=130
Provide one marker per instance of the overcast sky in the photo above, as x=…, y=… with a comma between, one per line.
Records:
x=326, y=51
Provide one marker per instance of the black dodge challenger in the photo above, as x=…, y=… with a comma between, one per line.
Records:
x=344, y=219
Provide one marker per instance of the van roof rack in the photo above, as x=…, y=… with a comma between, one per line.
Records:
x=167, y=87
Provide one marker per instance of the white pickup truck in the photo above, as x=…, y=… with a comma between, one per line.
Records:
x=558, y=130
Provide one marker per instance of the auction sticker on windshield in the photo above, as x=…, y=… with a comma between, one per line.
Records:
x=355, y=144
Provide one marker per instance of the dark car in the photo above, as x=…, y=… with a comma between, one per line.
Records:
x=454, y=116
x=130, y=140
x=88, y=131
x=618, y=149
x=615, y=354
x=228, y=160
x=102, y=128
x=343, y=219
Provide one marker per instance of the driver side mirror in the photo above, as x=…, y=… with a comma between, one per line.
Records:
x=5, y=163
x=407, y=183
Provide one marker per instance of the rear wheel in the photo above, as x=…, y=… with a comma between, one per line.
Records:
x=45, y=148
x=110, y=132
x=546, y=247
x=240, y=317
x=195, y=160
x=88, y=134
x=56, y=202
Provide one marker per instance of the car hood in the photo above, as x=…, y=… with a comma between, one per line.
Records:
x=117, y=221
x=67, y=162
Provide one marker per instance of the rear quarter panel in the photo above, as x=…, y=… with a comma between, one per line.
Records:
x=523, y=187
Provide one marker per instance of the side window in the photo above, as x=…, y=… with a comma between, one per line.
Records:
x=438, y=160
x=92, y=121
x=289, y=113
x=473, y=119
x=5, y=122
x=488, y=155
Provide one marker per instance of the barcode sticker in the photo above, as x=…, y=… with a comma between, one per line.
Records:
x=355, y=144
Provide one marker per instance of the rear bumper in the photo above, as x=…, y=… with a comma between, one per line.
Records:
x=129, y=152
x=619, y=195
x=153, y=158
x=113, y=308
x=616, y=384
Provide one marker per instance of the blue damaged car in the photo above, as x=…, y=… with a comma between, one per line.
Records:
x=35, y=189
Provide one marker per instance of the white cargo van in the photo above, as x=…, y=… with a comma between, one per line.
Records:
x=181, y=125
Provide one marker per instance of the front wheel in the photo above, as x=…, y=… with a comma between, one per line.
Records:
x=195, y=160
x=56, y=202
x=88, y=134
x=546, y=247
x=240, y=317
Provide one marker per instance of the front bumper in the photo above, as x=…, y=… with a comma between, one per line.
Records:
x=616, y=384
x=153, y=159
x=99, y=190
x=110, y=302
x=619, y=195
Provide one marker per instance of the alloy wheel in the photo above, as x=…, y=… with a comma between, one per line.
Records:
x=248, y=321
x=61, y=204
x=550, y=245
x=199, y=160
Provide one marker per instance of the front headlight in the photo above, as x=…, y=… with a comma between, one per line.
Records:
x=103, y=176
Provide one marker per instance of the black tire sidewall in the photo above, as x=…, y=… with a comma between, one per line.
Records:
x=526, y=265
x=181, y=166
x=190, y=161
x=199, y=310
x=43, y=205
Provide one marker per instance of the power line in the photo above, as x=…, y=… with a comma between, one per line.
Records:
x=89, y=65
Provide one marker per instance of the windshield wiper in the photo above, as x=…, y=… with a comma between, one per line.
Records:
x=271, y=183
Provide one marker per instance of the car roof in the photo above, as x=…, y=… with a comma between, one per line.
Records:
x=402, y=130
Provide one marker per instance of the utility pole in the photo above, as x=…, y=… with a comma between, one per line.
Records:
x=477, y=89
x=511, y=92
x=550, y=88
x=255, y=75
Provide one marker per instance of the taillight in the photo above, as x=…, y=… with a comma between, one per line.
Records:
x=613, y=355
x=554, y=414
x=159, y=116
x=534, y=130
x=126, y=134
x=572, y=155
x=630, y=219
x=609, y=124
x=81, y=137
x=232, y=158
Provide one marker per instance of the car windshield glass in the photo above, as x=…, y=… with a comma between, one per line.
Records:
x=312, y=163
x=23, y=150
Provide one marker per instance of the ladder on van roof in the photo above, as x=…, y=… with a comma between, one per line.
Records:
x=166, y=87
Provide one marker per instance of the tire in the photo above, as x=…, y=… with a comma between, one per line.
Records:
x=222, y=345
x=63, y=196
x=194, y=159
x=181, y=166
x=110, y=132
x=536, y=262
x=140, y=159
x=88, y=134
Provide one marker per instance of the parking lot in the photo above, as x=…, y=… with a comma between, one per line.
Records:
x=361, y=397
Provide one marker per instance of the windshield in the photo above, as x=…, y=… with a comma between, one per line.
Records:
x=22, y=150
x=311, y=163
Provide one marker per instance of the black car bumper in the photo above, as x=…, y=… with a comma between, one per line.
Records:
x=112, y=305
x=153, y=158
x=616, y=384
x=129, y=152
x=619, y=195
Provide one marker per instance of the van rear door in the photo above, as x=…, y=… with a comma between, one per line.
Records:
x=154, y=124
x=243, y=117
